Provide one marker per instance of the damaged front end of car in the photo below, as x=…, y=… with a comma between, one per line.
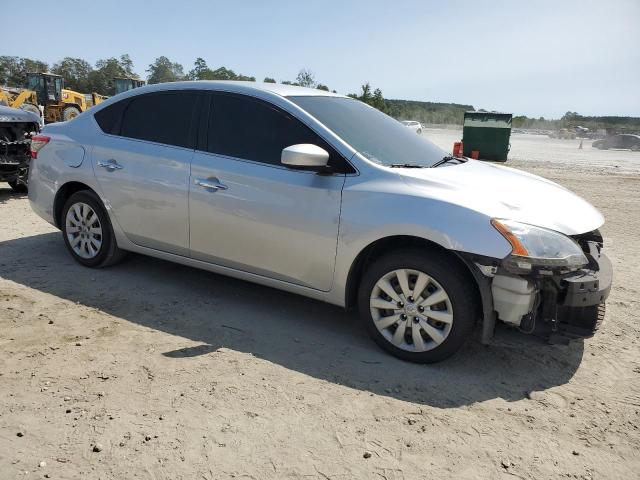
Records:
x=552, y=285
x=16, y=129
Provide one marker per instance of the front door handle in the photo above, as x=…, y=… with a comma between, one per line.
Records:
x=212, y=184
x=110, y=165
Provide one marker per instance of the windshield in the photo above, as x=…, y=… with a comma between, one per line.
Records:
x=373, y=134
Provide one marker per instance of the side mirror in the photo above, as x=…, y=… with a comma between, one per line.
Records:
x=305, y=156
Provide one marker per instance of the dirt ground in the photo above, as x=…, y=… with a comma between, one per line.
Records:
x=152, y=370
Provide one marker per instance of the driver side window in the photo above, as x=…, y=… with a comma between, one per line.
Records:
x=251, y=129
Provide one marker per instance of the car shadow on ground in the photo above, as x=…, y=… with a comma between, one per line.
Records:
x=294, y=332
x=8, y=193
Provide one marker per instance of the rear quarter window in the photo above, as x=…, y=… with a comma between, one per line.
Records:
x=162, y=117
x=109, y=118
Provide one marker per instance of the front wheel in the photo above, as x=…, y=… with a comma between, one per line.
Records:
x=87, y=231
x=418, y=306
x=69, y=113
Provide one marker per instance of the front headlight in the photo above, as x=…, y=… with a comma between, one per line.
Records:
x=538, y=247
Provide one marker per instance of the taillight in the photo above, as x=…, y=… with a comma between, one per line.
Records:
x=37, y=143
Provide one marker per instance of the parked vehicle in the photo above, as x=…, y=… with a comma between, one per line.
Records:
x=413, y=125
x=624, y=141
x=322, y=195
x=16, y=128
x=124, y=84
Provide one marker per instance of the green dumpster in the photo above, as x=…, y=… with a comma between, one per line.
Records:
x=488, y=133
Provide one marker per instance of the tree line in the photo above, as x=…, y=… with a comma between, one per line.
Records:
x=82, y=76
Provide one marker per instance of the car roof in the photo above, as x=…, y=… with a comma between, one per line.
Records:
x=258, y=89
x=237, y=86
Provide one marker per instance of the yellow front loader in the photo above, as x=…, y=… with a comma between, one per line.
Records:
x=20, y=98
x=47, y=90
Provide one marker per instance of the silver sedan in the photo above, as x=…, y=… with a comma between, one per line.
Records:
x=324, y=196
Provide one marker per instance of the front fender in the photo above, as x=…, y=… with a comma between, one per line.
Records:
x=372, y=214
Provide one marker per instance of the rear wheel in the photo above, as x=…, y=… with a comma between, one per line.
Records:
x=417, y=305
x=70, y=113
x=87, y=231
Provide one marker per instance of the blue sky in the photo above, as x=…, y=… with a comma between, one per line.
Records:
x=534, y=57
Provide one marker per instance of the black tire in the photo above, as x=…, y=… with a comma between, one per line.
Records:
x=419, y=131
x=69, y=113
x=449, y=274
x=18, y=187
x=108, y=253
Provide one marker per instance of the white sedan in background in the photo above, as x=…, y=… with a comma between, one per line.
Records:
x=413, y=125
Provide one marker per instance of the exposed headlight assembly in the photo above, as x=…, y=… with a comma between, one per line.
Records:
x=538, y=247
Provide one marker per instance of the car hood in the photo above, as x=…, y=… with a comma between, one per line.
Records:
x=502, y=192
x=8, y=114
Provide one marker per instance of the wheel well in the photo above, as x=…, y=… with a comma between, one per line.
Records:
x=387, y=245
x=63, y=194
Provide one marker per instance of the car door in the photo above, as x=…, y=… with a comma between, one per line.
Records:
x=142, y=166
x=616, y=141
x=626, y=141
x=248, y=211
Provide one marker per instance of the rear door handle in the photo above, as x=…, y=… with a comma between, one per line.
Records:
x=110, y=165
x=212, y=184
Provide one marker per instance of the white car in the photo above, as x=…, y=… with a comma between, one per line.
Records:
x=413, y=125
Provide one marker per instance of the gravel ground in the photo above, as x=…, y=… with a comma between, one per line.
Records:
x=152, y=370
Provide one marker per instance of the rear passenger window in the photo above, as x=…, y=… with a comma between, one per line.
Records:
x=109, y=117
x=163, y=117
x=251, y=129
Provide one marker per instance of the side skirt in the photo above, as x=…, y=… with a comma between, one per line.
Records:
x=239, y=274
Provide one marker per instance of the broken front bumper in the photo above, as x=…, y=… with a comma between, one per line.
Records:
x=557, y=305
x=580, y=299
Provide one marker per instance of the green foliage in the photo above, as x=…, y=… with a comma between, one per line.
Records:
x=13, y=70
x=269, y=80
x=573, y=119
x=522, y=121
x=306, y=78
x=76, y=73
x=428, y=112
x=101, y=79
x=164, y=70
x=201, y=71
x=374, y=99
x=378, y=101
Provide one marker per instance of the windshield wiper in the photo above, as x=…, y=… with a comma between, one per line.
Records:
x=405, y=165
x=446, y=159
